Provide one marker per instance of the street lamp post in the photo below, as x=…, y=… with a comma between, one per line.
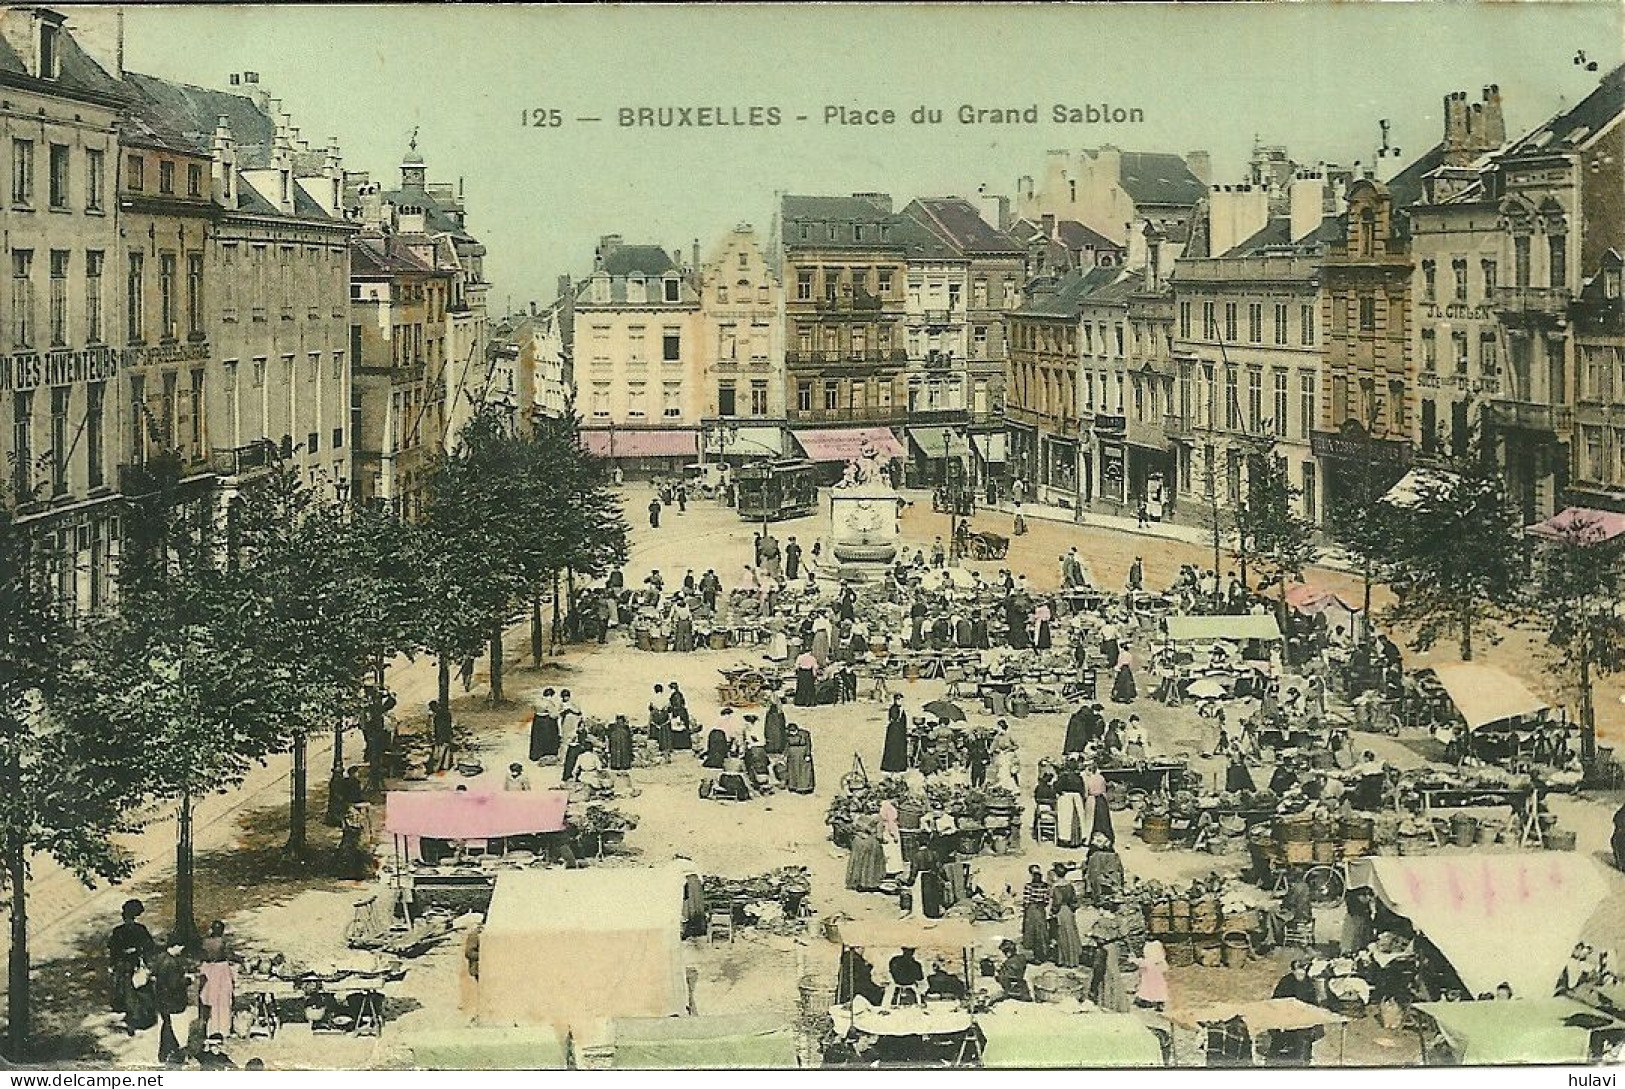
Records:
x=961, y=499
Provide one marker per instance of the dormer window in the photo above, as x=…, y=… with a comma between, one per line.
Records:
x=600, y=289
x=49, y=59
x=673, y=290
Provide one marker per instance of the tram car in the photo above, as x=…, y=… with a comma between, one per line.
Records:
x=769, y=491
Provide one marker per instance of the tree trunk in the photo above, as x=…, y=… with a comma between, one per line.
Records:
x=1588, y=709
x=18, y=1013
x=443, y=680
x=185, y=927
x=537, y=646
x=299, y=782
x=1467, y=634
x=1365, y=619
x=555, y=612
x=495, y=696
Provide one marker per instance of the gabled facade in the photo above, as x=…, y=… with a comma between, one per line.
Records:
x=742, y=347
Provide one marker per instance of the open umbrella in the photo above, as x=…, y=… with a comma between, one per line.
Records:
x=945, y=710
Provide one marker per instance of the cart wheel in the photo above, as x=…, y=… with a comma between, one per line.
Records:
x=1325, y=885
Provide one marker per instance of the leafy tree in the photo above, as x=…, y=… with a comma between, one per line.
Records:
x=1364, y=525
x=1456, y=557
x=1578, y=581
x=69, y=781
x=1281, y=541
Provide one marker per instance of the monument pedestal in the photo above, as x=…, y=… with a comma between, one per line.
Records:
x=864, y=529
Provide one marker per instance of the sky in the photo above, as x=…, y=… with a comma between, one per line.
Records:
x=1315, y=77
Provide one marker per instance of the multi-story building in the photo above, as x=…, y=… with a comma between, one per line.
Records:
x=1103, y=382
x=937, y=336
x=742, y=349
x=1368, y=380
x=62, y=314
x=1557, y=190
x=1044, y=406
x=846, y=294
x=1150, y=457
x=399, y=325
x=1598, y=321
x=1115, y=191
x=528, y=368
x=996, y=271
x=638, y=357
x=433, y=215
x=277, y=311
x=1248, y=356
x=1052, y=246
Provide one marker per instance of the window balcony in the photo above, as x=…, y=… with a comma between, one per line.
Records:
x=1534, y=302
x=1531, y=416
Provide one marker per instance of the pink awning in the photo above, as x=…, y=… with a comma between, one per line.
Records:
x=456, y=814
x=847, y=444
x=1307, y=598
x=641, y=444
x=1582, y=525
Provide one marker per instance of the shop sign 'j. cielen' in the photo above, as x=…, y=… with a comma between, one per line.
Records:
x=819, y=536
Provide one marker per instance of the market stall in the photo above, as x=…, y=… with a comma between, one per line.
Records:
x=1477, y=909
x=560, y=946
x=1310, y=602
x=447, y=843
x=1023, y=1035
x=1503, y=721
x=1233, y=1028
x=748, y=1041
x=939, y=1028
x=1515, y=1031
x=470, y=1048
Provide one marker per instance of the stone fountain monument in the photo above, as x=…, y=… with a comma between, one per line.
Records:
x=864, y=519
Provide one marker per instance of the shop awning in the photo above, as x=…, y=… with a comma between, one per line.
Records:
x=943, y=935
x=1264, y=1015
x=748, y=442
x=470, y=1048
x=1206, y=629
x=1582, y=525
x=1310, y=599
x=1519, y=1030
x=1510, y=918
x=743, y=1041
x=938, y=443
x=1483, y=694
x=641, y=444
x=1021, y=1035
x=847, y=444
x=993, y=448
x=457, y=814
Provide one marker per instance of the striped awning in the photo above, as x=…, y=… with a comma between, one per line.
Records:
x=847, y=444
x=619, y=444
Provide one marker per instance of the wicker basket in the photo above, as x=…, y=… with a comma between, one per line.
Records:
x=1181, y=954
x=1325, y=852
x=1559, y=840
x=1242, y=922
x=1297, y=852
x=1210, y=955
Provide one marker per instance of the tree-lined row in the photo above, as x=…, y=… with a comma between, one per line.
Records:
x=247, y=624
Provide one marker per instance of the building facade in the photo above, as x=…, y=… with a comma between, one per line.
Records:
x=1113, y=191
x=742, y=349
x=846, y=295
x=1597, y=318
x=62, y=315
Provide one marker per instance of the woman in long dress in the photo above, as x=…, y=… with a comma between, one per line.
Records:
x=1071, y=816
x=928, y=866
x=820, y=641
x=579, y=743
x=866, y=868
x=778, y=644
x=773, y=728
x=806, y=680
x=1041, y=626
x=1123, y=688
x=1152, y=991
x=1063, y=906
x=1099, y=812
x=1237, y=777
x=1006, y=770
x=894, y=757
x=620, y=744
x=544, y=731
x=1035, y=915
x=799, y=775
x=682, y=627
x=130, y=948
x=716, y=748
x=1107, y=984
x=891, y=838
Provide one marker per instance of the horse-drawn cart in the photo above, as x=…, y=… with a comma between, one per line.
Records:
x=987, y=546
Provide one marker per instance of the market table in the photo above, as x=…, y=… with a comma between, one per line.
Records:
x=930, y=1019
x=1149, y=776
x=1521, y=800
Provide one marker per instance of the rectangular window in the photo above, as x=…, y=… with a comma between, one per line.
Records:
x=22, y=298
x=22, y=445
x=1184, y=320
x=60, y=439
x=194, y=180
x=832, y=392
x=1230, y=322
x=1489, y=277
x=1306, y=324
x=1306, y=404
x=883, y=280
x=166, y=295
x=1520, y=260
x=198, y=407
x=93, y=296
x=1430, y=278
x=1310, y=504
x=1430, y=351
x=634, y=341
x=671, y=400
x=22, y=172
x=194, y=294
x=804, y=397
x=1232, y=400
x=1458, y=350
x=1280, y=323
x=725, y=400
x=1458, y=274
x=1255, y=400
x=1117, y=330
x=758, y=398
x=166, y=177
x=674, y=291
x=1396, y=408
x=59, y=176
x=95, y=179
x=95, y=406
x=135, y=169
x=1557, y=265
x=1210, y=328
x=134, y=300
x=1255, y=322
x=1278, y=409
x=1489, y=361
x=1430, y=427
x=671, y=346
x=1368, y=313
x=804, y=285
x=59, y=298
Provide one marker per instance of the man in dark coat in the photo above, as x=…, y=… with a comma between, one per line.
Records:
x=1295, y=1046
x=1077, y=732
x=773, y=726
x=792, y=559
x=654, y=513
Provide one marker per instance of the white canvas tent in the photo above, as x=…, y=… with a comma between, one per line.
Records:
x=1484, y=695
x=1497, y=918
x=569, y=945
x=1207, y=629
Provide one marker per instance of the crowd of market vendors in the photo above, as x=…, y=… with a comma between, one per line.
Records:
x=1283, y=686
